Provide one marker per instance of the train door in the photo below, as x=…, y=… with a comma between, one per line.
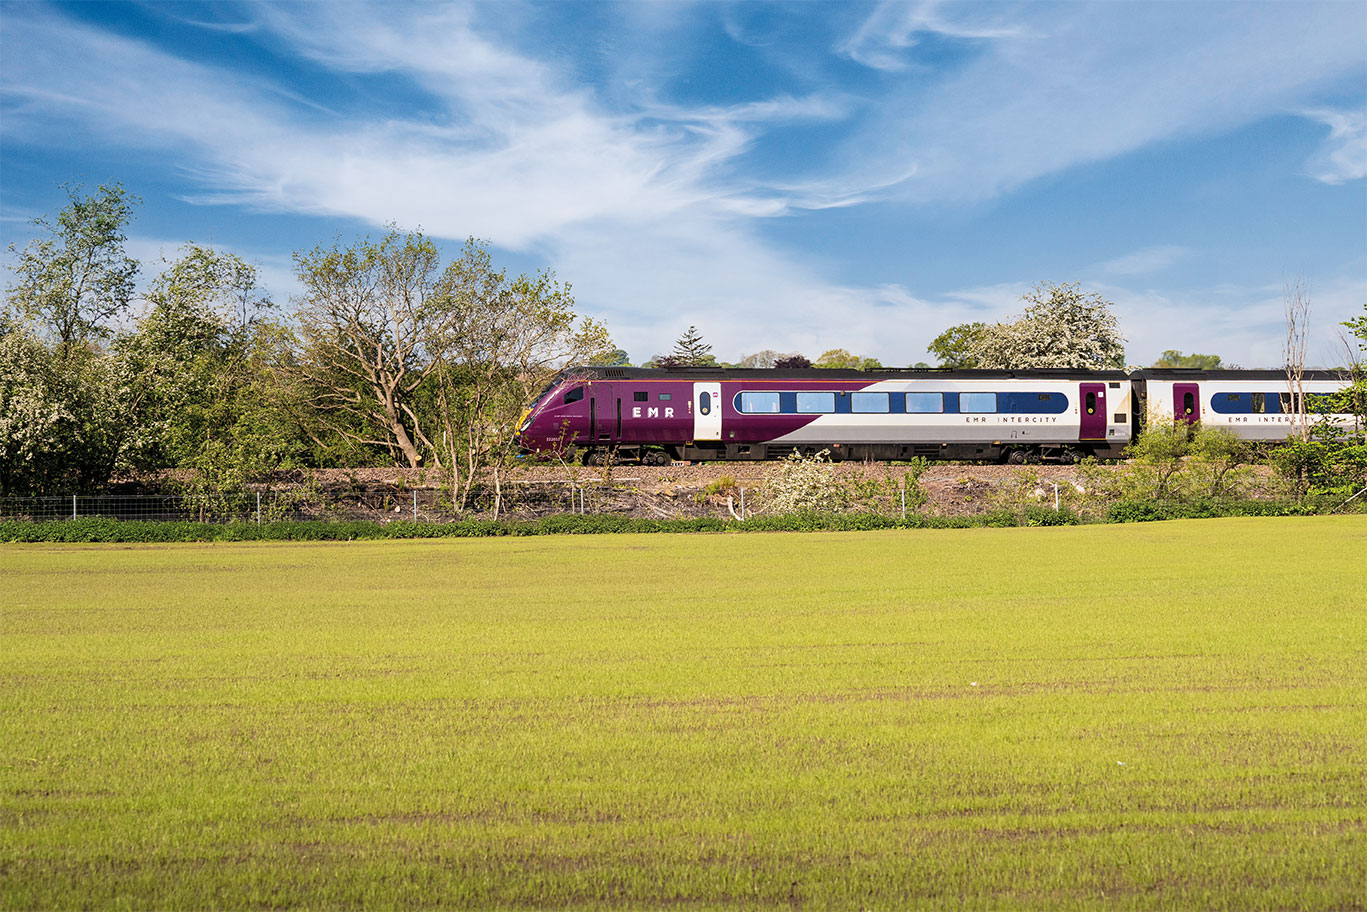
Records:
x=1186, y=402
x=707, y=411
x=1093, y=411
x=605, y=417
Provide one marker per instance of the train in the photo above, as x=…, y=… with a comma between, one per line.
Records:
x=658, y=416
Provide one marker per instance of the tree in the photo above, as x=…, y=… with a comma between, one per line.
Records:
x=767, y=358
x=1296, y=300
x=1173, y=358
x=363, y=326
x=793, y=362
x=1061, y=327
x=840, y=358
x=691, y=351
x=615, y=358
x=77, y=278
x=495, y=341
x=954, y=346
x=207, y=359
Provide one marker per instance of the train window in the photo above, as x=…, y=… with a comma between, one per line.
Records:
x=1232, y=403
x=925, y=403
x=1032, y=403
x=1188, y=404
x=977, y=402
x=759, y=403
x=704, y=403
x=1259, y=403
x=815, y=403
x=640, y=397
x=1284, y=403
x=666, y=397
x=574, y=395
x=1091, y=403
x=869, y=402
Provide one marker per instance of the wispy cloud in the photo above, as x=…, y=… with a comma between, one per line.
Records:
x=1143, y=262
x=895, y=27
x=1343, y=157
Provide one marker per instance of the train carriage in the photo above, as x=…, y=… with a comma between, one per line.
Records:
x=1256, y=405
x=700, y=413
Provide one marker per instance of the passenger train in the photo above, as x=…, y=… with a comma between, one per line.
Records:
x=1055, y=415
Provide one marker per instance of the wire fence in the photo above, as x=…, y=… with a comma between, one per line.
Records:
x=419, y=505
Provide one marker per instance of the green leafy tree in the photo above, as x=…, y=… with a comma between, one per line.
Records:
x=1061, y=327
x=208, y=356
x=495, y=340
x=73, y=280
x=954, y=346
x=840, y=358
x=1175, y=359
x=363, y=326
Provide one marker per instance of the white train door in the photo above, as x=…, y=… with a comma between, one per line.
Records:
x=707, y=411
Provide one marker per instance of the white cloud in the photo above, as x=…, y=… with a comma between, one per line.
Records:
x=1143, y=262
x=1343, y=157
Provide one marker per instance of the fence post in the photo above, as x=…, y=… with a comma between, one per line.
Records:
x=742, y=504
x=904, y=498
x=258, y=508
x=415, y=505
x=73, y=506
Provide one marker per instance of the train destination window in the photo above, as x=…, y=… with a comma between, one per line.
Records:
x=977, y=402
x=1232, y=403
x=1032, y=403
x=666, y=397
x=865, y=403
x=759, y=403
x=815, y=403
x=640, y=397
x=925, y=403
x=574, y=395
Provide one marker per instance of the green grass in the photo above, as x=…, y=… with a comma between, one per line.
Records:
x=1169, y=715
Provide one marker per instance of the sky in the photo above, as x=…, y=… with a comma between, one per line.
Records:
x=797, y=177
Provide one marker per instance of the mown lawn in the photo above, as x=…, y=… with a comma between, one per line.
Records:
x=1169, y=715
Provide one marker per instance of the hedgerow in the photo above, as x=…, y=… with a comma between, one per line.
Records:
x=98, y=529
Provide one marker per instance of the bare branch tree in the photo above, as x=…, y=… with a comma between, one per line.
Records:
x=1296, y=300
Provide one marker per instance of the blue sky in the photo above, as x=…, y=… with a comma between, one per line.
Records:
x=796, y=177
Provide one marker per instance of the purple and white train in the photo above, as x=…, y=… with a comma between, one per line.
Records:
x=656, y=416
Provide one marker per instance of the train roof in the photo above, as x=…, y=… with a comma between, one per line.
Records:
x=1178, y=374
x=593, y=372
x=598, y=372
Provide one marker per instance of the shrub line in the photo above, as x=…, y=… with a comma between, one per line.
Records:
x=100, y=529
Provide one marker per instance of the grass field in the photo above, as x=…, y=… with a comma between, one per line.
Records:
x=1169, y=715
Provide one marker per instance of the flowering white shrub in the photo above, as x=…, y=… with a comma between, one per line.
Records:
x=803, y=484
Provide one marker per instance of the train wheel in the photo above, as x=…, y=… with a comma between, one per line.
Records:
x=596, y=458
x=1016, y=457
